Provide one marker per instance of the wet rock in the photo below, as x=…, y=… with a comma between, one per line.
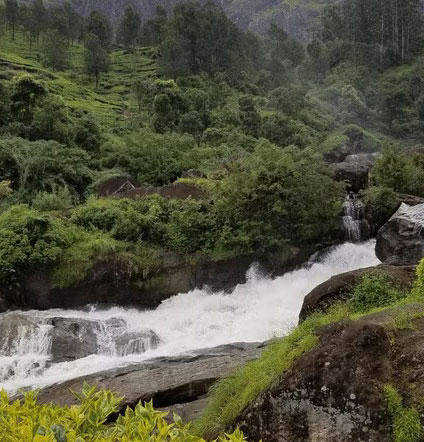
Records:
x=340, y=287
x=72, y=339
x=355, y=170
x=401, y=240
x=174, y=383
x=136, y=343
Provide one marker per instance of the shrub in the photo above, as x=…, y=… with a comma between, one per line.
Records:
x=26, y=421
x=29, y=238
x=78, y=259
x=376, y=290
x=381, y=202
x=60, y=199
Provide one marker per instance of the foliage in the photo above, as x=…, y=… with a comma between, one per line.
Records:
x=59, y=199
x=96, y=59
x=55, y=50
x=29, y=238
x=128, y=27
x=397, y=171
x=276, y=195
x=77, y=259
x=381, y=203
x=376, y=290
x=42, y=165
x=406, y=422
x=26, y=420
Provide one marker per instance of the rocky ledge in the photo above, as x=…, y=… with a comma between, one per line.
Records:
x=178, y=384
x=340, y=287
x=113, y=280
x=334, y=393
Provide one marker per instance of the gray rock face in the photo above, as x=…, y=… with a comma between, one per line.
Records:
x=177, y=383
x=401, y=240
x=340, y=287
x=74, y=338
x=333, y=393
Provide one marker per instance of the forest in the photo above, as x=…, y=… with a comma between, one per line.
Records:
x=246, y=120
x=82, y=103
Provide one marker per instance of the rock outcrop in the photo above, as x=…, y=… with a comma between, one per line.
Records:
x=355, y=170
x=401, y=240
x=178, y=383
x=72, y=339
x=334, y=393
x=177, y=190
x=340, y=287
x=113, y=281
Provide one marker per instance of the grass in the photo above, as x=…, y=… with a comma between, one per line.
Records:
x=112, y=101
x=229, y=397
x=406, y=422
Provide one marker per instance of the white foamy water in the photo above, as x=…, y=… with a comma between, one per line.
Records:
x=256, y=311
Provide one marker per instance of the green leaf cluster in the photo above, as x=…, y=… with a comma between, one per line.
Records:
x=25, y=420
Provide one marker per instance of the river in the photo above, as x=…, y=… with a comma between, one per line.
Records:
x=261, y=309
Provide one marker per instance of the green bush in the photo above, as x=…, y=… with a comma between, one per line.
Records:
x=60, y=199
x=29, y=238
x=376, y=290
x=381, y=203
x=28, y=421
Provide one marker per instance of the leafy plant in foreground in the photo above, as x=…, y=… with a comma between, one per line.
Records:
x=28, y=421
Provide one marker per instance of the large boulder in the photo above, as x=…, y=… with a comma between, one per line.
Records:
x=401, y=240
x=177, y=383
x=334, y=393
x=355, y=170
x=72, y=339
x=340, y=287
x=76, y=338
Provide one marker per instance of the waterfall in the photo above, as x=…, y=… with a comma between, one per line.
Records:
x=355, y=225
x=258, y=310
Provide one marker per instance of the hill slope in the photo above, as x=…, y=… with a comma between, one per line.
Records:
x=295, y=16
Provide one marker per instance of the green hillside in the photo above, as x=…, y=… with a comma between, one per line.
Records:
x=112, y=98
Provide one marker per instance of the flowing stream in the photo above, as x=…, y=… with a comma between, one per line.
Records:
x=256, y=311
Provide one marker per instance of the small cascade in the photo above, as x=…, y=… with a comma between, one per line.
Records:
x=355, y=225
x=24, y=350
x=31, y=345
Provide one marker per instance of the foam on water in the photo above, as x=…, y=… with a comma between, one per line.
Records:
x=256, y=311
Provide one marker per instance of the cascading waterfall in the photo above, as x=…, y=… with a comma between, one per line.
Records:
x=261, y=309
x=356, y=227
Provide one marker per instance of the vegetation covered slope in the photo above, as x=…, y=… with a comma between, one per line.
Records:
x=296, y=16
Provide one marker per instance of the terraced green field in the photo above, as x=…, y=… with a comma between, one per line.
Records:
x=111, y=101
